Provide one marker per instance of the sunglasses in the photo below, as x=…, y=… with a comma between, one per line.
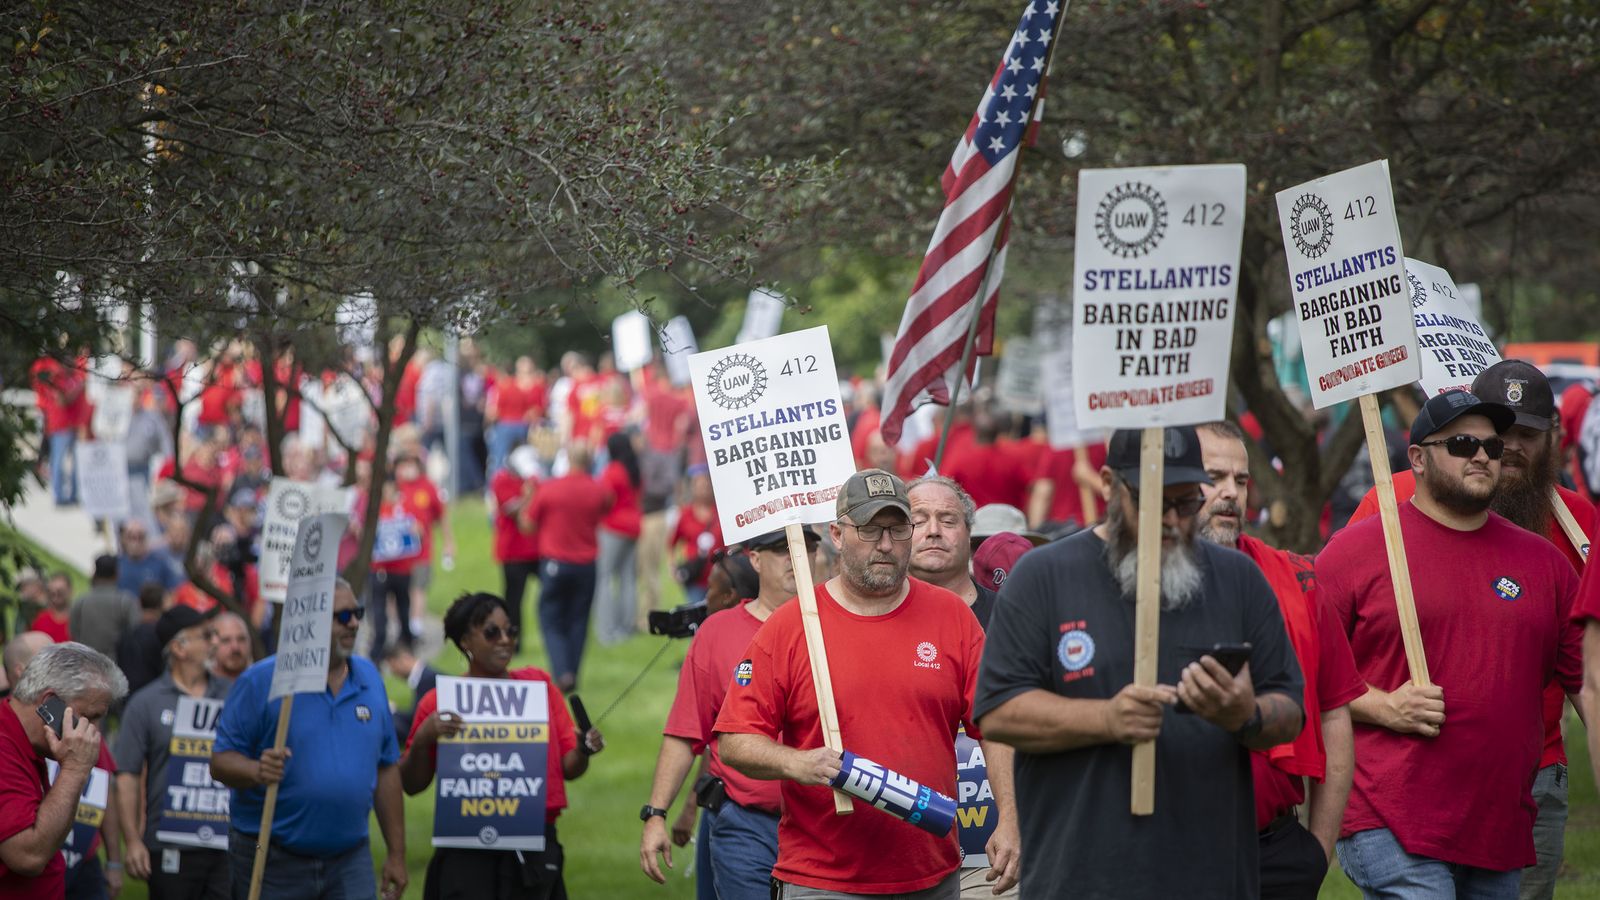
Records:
x=1184, y=506
x=493, y=633
x=1465, y=446
x=346, y=616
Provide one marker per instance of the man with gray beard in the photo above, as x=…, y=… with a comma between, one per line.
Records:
x=1057, y=684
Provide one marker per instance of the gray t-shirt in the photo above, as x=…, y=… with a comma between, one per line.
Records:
x=101, y=616
x=145, y=740
x=1063, y=625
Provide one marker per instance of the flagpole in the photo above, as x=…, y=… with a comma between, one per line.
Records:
x=988, y=272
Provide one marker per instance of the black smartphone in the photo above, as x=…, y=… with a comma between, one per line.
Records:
x=54, y=713
x=581, y=715
x=1232, y=656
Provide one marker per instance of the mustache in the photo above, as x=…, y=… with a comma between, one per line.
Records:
x=1227, y=508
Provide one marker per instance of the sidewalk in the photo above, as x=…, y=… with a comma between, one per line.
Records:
x=68, y=533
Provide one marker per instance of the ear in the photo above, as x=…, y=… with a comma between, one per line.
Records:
x=1415, y=455
x=836, y=534
x=1108, y=483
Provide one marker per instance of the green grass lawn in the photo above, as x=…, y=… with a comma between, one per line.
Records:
x=601, y=828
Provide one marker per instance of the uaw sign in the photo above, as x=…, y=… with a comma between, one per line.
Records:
x=288, y=502
x=976, y=813
x=306, y=637
x=491, y=792
x=1348, y=282
x=1155, y=277
x=774, y=430
x=90, y=816
x=1453, y=346
x=102, y=473
x=194, y=810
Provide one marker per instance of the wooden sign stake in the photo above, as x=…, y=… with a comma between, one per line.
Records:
x=1389, y=511
x=263, y=839
x=1569, y=525
x=816, y=652
x=1147, y=604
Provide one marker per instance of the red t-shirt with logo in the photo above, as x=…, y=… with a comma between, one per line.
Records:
x=903, y=684
x=422, y=498
x=1494, y=607
x=511, y=543
x=566, y=512
x=23, y=783
x=713, y=658
x=563, y=736
x=1555, y=699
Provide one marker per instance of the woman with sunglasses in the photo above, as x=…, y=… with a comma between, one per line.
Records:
x=480, y=627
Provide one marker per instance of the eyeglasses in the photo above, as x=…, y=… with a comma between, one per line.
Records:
x=874, y=533
x=346, y=616
x=1465, y=446
x=493, y=633
x=1184, y=506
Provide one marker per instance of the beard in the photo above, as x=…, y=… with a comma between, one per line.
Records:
x=1453, y=494
x=874, y=580
x=1181, y=575
x=1525, y=498
x=1224, y=533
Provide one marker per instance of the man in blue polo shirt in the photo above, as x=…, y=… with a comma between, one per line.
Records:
x=338, y=765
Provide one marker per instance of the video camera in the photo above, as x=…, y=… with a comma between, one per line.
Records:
x=680, y=622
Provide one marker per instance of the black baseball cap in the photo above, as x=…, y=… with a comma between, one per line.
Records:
x=1442, y=409
x=177, y=619
x=781, y=536
x=1522, y=388
x=1181, y=454
x=869, y=492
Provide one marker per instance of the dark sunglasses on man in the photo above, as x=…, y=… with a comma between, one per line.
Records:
x=346, y=616
x=1465, y=446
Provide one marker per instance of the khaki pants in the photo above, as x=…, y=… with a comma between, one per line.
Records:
x=651, y=555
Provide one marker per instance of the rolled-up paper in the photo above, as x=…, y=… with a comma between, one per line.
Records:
x=896, y=794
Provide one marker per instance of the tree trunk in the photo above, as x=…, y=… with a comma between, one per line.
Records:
x=356, y=571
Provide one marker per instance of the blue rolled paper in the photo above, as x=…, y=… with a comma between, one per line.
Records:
x=896, y=794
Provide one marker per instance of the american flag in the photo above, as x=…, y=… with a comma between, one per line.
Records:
x=975, y=223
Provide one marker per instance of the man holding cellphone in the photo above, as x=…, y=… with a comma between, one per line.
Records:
x=52, y=713
x=1057, y=684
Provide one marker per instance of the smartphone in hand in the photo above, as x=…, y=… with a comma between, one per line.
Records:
x=54, y=713
x=1232, y=656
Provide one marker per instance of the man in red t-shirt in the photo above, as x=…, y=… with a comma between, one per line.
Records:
x=1443, y=788
x=1294, y=859
x=1529, y=470
x=516, y=546
x=904, y=663
x=63, y=401
x=36, y=815
x=741, y=813
x=1062, y=480
x=418, y=494
x=565, y=515
x=988, y=470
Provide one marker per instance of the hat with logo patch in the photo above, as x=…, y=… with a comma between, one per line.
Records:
x=1442, y=409
x=1180, y=453
x=1522, y=388
x=869, y=492
x=995, y=557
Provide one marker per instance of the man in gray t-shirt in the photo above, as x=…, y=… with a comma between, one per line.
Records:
x=142, y=751
x=105, y=612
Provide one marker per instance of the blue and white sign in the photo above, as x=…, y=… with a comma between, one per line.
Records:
x=895, y=794
x=194, y=812
x=976, y=813
x=491, y=791
x=90, y=816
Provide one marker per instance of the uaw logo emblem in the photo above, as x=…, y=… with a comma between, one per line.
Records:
x=313, y=541
x=1076, y=650
x=1419, y=294
x=927, y=653
x=1311, y=225
x=1131, y=220
x=737, y=381
x=1515, y=387
x=880, y=486
x=292, y=504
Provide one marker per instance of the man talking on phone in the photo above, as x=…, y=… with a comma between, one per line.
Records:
x=1056, y=683
x=52, y=713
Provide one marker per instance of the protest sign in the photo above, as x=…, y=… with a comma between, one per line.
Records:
x=305, y=638
x=1452, y=345
x=1020, y=386
x=1155, y=276
x=976, y=813
x=102, y=472
x=898, y=795
x=779, y=451
x=677, y=344
x=1348, y=284
x=288, y=502
x=398, y=536
x=194, y=812
x=630, y=341
x=91, y=813
x=774, y=429
x=491, y=789
x=1350, y=296
x=347, y=410
x=763, y=316
x=113, y=411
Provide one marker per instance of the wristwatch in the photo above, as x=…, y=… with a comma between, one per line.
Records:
x=648, y=811
x=1252, y=726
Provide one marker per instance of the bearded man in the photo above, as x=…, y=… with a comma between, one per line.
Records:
x=1057, y=685
x=1441, y=804
x=1529, y=468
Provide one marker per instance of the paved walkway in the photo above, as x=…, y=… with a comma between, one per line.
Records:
x=67, y=533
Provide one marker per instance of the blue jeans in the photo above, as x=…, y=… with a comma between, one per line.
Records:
x=504, y=438
x=344, y=876
x=63, y=487
x=705, y=886
x=566, y=594
x=745, y=842
x=1383, y=870
x=1549, y=833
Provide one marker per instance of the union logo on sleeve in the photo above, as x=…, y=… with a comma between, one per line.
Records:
x=1076, y=650
x=741, y=675
x=1506, y=589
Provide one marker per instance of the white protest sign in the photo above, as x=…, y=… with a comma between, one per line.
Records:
x=306, y=636
x=347, y=410
x=113, y=412
x=677, y=344
x=102, y=471
x=491, y=792
x=1020, y=387
x=288, y=502
x=1061, y=411
x=1452, y=346
x=1155, y=275
x=763, y=316
x=1348, y=285
x=775, y=432
x=630, y=340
